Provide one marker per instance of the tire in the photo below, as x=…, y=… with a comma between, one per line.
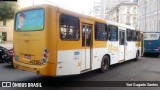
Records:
x=104, y=64
x=137, y=55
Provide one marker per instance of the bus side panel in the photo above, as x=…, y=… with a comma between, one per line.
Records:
x=68, y=54
x=113, y=50
x=130, y=52
x=51, y=41
x=99, y=50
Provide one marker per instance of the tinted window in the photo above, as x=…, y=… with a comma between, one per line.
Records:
x=134, y=35
x=138, y=36
x=129, y=35
x=121, y=37
x=100, y=31
x=69, y=27
x=113, y=33
x=30, y=20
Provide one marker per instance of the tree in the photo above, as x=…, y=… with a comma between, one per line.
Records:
x=7, y=10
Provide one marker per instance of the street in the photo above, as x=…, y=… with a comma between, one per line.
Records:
x=146, y=69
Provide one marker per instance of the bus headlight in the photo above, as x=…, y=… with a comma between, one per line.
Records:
x=45, y=56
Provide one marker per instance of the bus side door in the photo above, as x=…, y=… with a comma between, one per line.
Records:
x=86, y=47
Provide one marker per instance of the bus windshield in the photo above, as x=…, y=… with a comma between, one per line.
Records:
x=151, y=36
x=31, y=20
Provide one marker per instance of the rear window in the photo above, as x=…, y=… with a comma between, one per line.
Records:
x=151, y=36
x=31, y=20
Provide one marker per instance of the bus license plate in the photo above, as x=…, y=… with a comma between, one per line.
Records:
x=27, y=56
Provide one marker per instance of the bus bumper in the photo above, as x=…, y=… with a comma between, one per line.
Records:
x=156, y=51
x=47, y=70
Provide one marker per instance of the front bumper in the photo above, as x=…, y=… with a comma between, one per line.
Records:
x=152, y=51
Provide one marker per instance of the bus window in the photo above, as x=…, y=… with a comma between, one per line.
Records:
x=69, y=27
x=134, y=35
x=138, y=35
x=151, y=36
x=129, y=34
x=100, y=31
x=31, y=20
x=121, y=37
x=113, y=33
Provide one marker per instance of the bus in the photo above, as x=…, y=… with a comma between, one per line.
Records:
x=152, y=42
x=52, y=41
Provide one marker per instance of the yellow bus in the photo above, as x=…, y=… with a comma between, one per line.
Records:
x=52, y=41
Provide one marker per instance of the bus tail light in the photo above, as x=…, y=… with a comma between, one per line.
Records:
x=45, y=56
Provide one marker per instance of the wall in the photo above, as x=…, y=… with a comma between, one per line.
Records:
x=149, y=16
x=8, y=28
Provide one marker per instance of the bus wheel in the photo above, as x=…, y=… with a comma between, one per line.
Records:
x=104, y=64
x=137, y=55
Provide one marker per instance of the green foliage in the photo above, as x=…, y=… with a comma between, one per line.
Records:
x=7, y=10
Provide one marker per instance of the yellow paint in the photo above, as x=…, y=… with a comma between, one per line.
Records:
x=34, y=43
x=113, y=48
x=121, y=61
x=137, y=44
x=79, y=64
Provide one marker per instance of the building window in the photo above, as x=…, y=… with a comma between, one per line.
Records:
x=134, y=10
x=4, y=23
x=69, y=27
x=100, y=31
x=129, y=35
x=113, y=33
x=128, y=9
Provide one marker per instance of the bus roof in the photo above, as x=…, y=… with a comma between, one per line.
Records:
x=119, y=25
x=65, y=11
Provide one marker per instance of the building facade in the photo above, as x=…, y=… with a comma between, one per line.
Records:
x=149, y=15
x=125, y=13
x=102, y=7
x=6, y=30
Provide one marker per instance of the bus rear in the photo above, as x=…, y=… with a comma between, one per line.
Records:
x=30, y=40
x=152, y=42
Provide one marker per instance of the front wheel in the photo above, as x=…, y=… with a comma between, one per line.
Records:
x=104, y=64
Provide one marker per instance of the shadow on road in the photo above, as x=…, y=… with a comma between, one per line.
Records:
x=151, y=55
x=115, y=66
x=8, y=66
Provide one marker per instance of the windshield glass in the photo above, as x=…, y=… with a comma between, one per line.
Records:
x=30, y=20
x=151, y=36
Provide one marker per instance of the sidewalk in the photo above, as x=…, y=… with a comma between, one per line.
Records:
x=7, y=45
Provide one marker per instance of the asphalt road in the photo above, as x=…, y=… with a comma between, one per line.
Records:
x=146, y=69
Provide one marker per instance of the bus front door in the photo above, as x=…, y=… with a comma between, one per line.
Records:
x=86, y=47
x=121, y=45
